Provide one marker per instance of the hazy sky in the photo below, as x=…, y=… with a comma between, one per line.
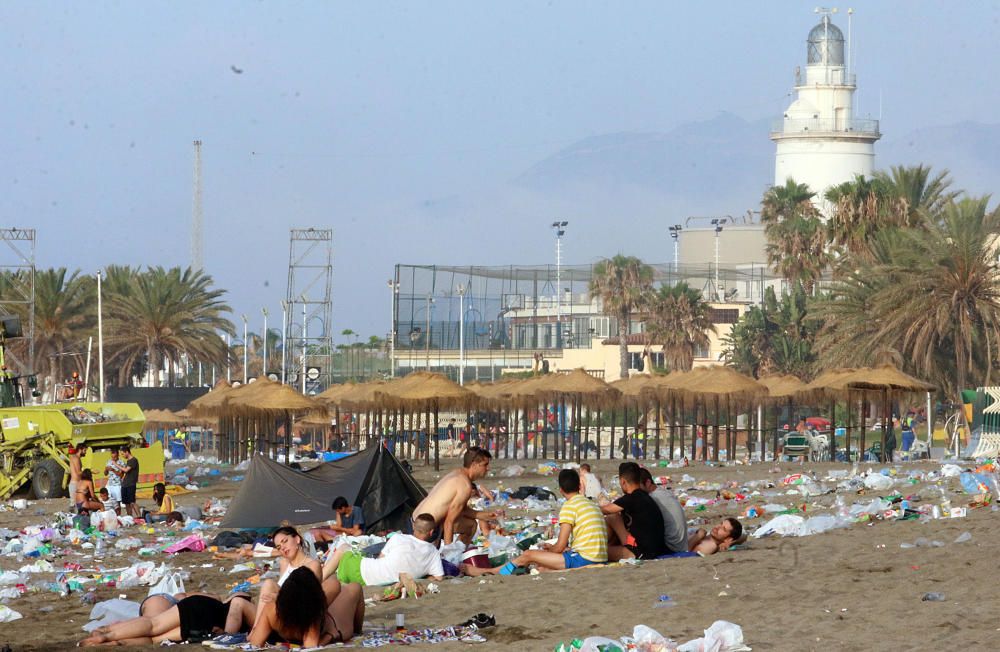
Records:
x=348, y=115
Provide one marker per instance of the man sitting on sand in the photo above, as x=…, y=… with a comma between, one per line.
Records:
x=348, y=519
x=728, y=532
x=583, y=536
x=448, y=501
x=674, y=523
x=635, y=519
x=403, y=554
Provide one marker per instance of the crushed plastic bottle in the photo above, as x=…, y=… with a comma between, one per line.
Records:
x=664, y=601
x=932, y=597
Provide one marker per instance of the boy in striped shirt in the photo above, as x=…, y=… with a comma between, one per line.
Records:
x=583, y=536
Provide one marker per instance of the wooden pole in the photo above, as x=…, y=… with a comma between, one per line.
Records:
x=715, y=432
x=611, y=450
x=658, y=424
x=864, y=425
x=437, y=442
x=833, y=430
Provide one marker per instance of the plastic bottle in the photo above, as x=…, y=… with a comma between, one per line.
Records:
x=99, y=548
x=664, y=601
x=933, y=597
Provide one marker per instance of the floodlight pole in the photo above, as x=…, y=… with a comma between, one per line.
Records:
x=560, y=229
x=718, y=230
x=100, y=340
x=305, y=343
x=245, y=350
x=427, y=335
x=284, y=331
x=393, y=291
x=461, y=334
x=264, y=361
x=675, y=233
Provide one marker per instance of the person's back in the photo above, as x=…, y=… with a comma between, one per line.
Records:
x=645, y=523
x=403, y=553
x=674, y=522
x=589, y=537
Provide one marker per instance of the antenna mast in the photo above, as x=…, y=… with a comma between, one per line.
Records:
x=197, y=250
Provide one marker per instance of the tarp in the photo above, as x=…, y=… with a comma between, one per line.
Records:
x=373, y=479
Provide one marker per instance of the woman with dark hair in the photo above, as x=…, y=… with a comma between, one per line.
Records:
x=166, y=511
x=291, y=555
x=299, y=615
x=194, y=619
x=85, y=498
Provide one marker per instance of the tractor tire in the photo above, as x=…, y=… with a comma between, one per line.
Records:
x=46, y=479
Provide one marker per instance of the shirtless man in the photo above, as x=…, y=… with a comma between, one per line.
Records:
x=75, y=469
x=448, y=501
x=719, y=538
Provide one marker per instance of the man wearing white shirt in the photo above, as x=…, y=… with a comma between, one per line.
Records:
x=406, y=554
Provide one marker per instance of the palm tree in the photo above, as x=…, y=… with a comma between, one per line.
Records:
x=796, y=240
x=165, y=313
x=919, y=194
x=65, y=311
x=944, y=290
x=622, y=284
x=861, y=208
x=679, y=321
x=774, y=337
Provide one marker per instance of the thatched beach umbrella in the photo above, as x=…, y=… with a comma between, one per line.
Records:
x=266, y=400
x=210, y=406
x=581, y=389
x=781, y=389
x=714, y=382
x=423, y=390
x=640, y=391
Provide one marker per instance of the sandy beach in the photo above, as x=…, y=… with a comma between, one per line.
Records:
x=848, y=589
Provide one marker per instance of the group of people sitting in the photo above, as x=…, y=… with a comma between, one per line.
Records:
x=317, y=603
x=305, y=606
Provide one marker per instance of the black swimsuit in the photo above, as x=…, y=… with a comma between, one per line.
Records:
x=200, y=616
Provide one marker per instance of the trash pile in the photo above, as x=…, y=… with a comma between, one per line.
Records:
x=722, y=636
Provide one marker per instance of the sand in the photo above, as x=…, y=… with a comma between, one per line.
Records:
x=851, y=589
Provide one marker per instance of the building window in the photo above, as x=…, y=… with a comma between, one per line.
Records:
x=601, y=326
x=635, y=360
x=724, y=315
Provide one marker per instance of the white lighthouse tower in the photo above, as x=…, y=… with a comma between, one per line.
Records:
x=819, y=142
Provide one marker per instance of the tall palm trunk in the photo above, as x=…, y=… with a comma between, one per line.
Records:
x=624, y=326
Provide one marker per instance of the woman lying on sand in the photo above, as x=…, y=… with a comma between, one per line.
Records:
x=195, y=618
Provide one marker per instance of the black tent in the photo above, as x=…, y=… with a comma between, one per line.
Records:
x=372, y=479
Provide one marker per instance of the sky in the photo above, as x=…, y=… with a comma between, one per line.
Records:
x=350, y=116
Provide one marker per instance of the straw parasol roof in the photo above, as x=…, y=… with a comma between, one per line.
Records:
x=357, y=396
x=161, y=417
x=576, y=383
x=265, y=396
x=210, y=403
x=782, y=386
x=886, y=377
x=315, y=419
x=830, y=383
x=422, y=388
x=636, y=388
x=713, y=380
x=333, y=392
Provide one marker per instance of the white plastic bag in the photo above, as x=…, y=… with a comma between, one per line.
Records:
x=170, y=583
x=453, y=552
x=7, y=614
x=648, y=638
x=592, y=643
x=878, y=482
x=111, y=611
x=722, y=636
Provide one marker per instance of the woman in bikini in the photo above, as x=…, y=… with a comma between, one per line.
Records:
x=298, y=615
x=85, y=499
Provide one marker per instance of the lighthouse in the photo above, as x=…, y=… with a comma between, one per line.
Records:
x=819, y=141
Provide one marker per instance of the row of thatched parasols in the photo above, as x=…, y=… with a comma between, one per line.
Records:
x=249, y=413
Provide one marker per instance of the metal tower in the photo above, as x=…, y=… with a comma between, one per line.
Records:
x=307, y=356
x=197, y=247
x=18, y=259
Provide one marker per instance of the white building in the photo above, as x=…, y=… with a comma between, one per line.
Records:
x=819, y=141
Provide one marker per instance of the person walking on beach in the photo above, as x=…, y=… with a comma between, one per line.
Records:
x=448, y=501
x=130, y=480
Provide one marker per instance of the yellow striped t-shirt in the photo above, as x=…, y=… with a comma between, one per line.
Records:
x=590, y=535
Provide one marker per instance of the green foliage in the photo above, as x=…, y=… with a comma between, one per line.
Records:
x=775, y=337
x=679, y=321
x=624, y=285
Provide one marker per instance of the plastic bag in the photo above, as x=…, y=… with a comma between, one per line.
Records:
x=453, y=552
x=7, y=614
x=878, y=482
x=170, y=583
x=193, y=542
x=512, y=471
x=601, y=644
x=722, y=636
x=111, y=611
x=647, y=638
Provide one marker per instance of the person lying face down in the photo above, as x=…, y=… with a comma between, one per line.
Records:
x=720, y=537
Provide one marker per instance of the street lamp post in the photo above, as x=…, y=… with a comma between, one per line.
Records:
x=560, y=229
x=427, y=334
x=246, y=350
x=264, y=361
x=675, y=233
x=229, y=358
x=461, y=334
x=717, y=223
x=100, y=341
x=284, y=331
x=393, y=291
x=305, y=342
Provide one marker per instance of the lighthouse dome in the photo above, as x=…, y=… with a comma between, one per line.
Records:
x=825, y=44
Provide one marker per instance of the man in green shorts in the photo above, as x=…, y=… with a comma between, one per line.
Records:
x=403, y=554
